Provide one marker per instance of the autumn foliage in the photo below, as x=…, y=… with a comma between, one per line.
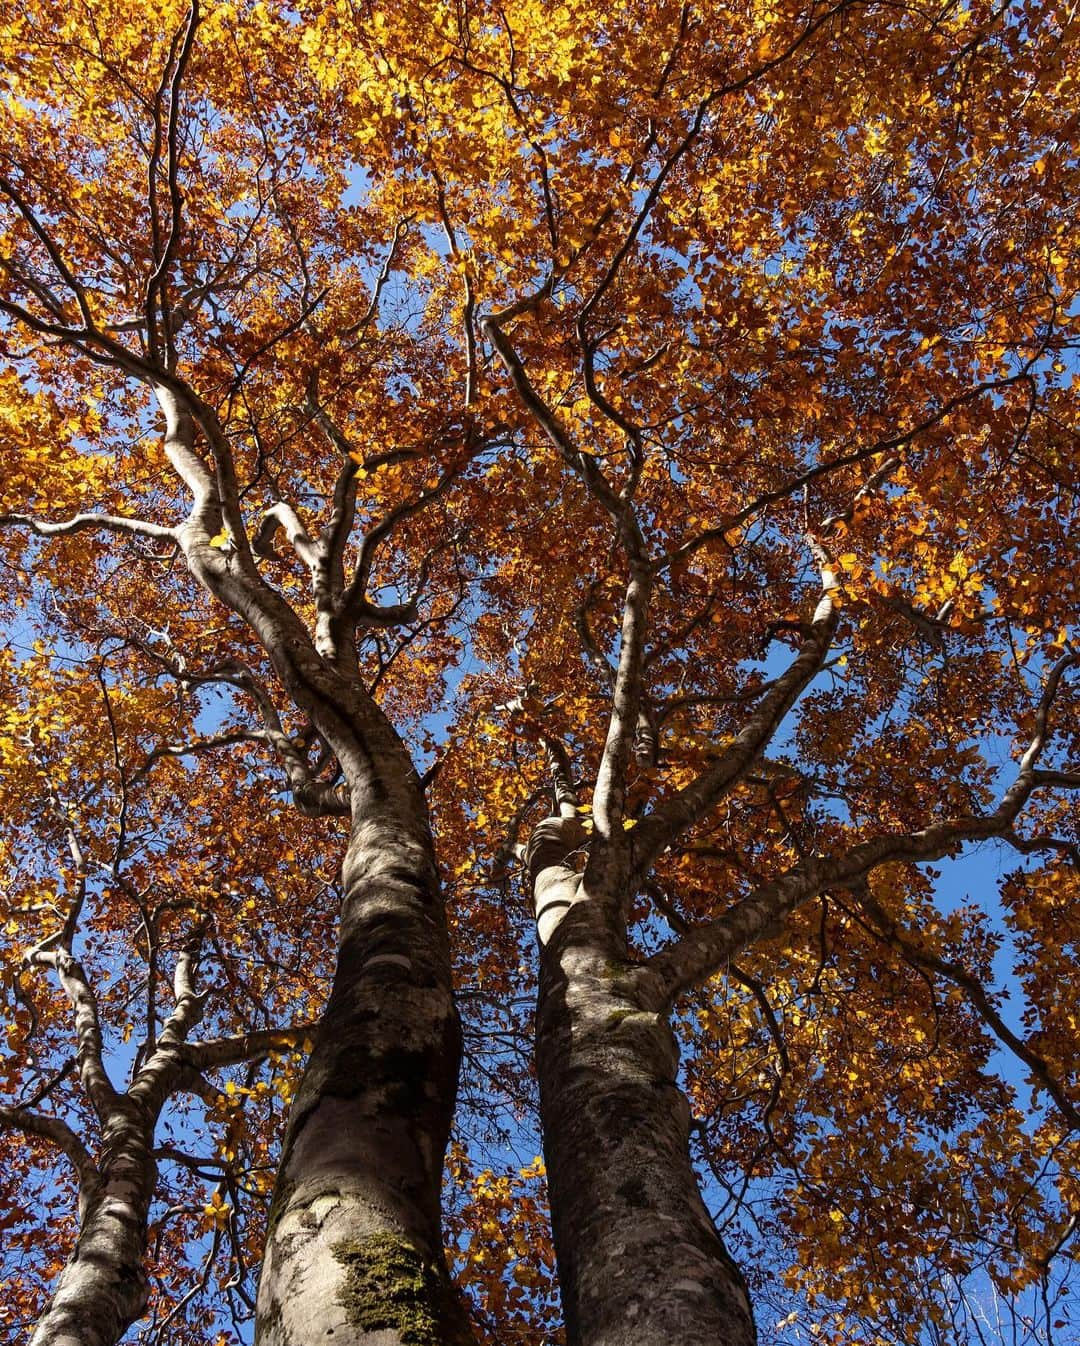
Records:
x=684, y=396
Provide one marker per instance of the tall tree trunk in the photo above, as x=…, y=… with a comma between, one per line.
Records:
x=354, y=1246
x=103, y=1288
x=640, y=1261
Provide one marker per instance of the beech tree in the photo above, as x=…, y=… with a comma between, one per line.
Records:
x=104, y=856
x=571, y=503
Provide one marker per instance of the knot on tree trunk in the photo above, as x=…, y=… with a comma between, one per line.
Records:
x=552, y=842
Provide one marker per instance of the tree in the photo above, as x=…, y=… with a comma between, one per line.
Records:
x=690, y=389
x=148, y=872
x=369, y=1125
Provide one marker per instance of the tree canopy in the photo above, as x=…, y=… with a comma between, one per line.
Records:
x=661, y=420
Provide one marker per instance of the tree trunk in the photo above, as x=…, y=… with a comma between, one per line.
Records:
x=640, y=1261
x=354, y=1241
x=354, y=1245
x=103, y=1288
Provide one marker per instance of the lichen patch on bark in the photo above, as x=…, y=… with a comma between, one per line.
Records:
x=390, y=1284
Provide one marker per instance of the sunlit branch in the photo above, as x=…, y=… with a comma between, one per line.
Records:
x=624, y=722
x=194, y=748
x=329, y=575
x=659, y=828
x=212, y=1053
x=335, y=536
x=156, y=1078
x=623, y=725
x=282, y=516
x=561, y=771
x=55, y=951
x=907, y=945
x=188, y=466
x=709, y=947
x=96, y=1083
x=81, y=523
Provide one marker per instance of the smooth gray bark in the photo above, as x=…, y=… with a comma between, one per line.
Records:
x=103, y=1288
x=354, y=1246
x=640, y=1261
x=354, y=1243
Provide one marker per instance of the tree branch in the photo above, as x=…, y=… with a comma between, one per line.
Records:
x=887, y=445
x=609, y=794
x=96, y=1083
x=708, y=948
x=583, y=464
x=659, y=828
x=195, y=747
x=56, y=1131
x=355, y=607
x=157, y=285
x=905, y=944
x=79, y=523
x=214, y=1052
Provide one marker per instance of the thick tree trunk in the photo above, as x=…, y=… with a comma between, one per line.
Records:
x=354, y=1246
x=103, y=1288
x=354, y=1243
x=640, y=1262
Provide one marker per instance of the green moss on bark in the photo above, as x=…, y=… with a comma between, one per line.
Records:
x=390, y=1284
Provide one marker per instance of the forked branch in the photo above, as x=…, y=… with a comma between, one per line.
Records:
x=708, y=948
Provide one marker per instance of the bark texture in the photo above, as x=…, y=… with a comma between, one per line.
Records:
x=640, y=1261
x=354, y=1246
x=103, y=1288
